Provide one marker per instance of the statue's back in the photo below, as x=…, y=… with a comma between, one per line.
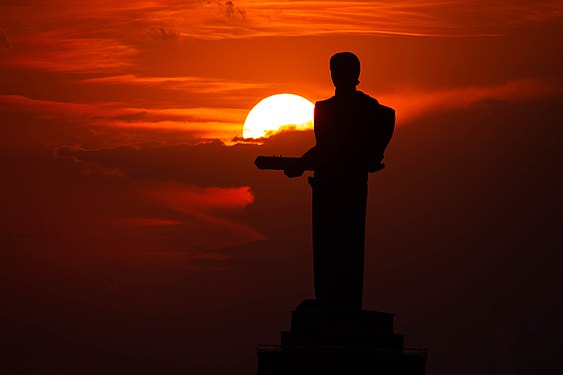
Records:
x=351, y=135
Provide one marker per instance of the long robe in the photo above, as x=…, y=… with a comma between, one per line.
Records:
x=351, y=132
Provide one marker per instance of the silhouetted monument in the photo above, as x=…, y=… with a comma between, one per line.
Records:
x=332, y=333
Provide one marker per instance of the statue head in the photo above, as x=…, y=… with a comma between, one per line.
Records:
x=345, y=70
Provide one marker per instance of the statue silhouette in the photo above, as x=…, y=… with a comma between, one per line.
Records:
x=332, y=334
x=352, y=131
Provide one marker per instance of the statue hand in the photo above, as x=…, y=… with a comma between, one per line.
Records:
x=293, y=172
x=376, y=167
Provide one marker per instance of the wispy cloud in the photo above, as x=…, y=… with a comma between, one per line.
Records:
x=67, y=51
x=226, y=123
x=167, y=20
x=200, y=85
x=218, y=123
x=208, y=205
x=149, y=222
x=411, y=104
x=105, y=36
x=214, y=20
x=192, y=214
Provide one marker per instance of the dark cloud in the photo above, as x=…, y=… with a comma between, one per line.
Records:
x=205, y=164
x=165, y=34
x=234, y=12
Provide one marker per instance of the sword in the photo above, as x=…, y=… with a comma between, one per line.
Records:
x=282, y=163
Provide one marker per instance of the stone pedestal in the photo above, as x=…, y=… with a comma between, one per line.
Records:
x=325, y=341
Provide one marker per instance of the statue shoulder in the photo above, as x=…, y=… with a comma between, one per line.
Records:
x=325, y=103
x=323, y=108
x=367, y=100
x=387, y=111
x=374, y=103
x=383, y=115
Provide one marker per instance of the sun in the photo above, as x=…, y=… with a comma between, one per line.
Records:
x=276, y=112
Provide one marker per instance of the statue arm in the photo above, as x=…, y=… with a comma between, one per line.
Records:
x=311, y=156
x=383, y=136
x=307, y=159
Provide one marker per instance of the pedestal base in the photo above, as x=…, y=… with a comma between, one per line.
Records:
x=339, y=360
x=323, y=341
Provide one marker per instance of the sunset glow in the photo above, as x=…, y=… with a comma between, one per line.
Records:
x=137, y=236
x=277, y=112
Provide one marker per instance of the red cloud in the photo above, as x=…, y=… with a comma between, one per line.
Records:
x=200, y=85
x=189, y=199
x=410, y=104
x=217, y=123
x=209, y=205
x=315, y=17
x=149, y=222
x=65, y=51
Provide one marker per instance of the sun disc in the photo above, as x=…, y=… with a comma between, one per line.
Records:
x=276, y=112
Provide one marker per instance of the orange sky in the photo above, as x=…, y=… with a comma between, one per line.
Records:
x=126, y=204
